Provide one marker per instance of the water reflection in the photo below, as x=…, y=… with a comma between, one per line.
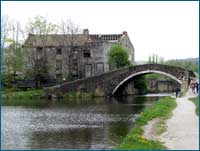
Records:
x=62, y=139
x=70, y=124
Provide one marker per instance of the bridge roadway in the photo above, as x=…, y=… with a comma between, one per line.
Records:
x=107, y=84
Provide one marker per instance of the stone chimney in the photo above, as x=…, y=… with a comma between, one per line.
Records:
x=125, y=33
x=85, y=32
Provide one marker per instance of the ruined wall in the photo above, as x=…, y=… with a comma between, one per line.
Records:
x=162, y=85
x=125, y=41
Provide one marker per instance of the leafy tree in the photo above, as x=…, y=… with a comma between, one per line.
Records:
x=41, y=27
x=72, y=29
x=118, y=56
x=140, y=83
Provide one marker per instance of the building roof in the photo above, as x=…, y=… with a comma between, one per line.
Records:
x=55, y=40
x=58, y=40
x=110, y=37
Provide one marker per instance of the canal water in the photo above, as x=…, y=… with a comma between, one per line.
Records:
x=70, y=124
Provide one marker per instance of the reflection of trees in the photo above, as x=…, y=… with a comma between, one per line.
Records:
x=118, y=130
x=62, y=139
x=126, y=105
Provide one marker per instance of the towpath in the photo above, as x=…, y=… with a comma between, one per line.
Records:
x=183, y=127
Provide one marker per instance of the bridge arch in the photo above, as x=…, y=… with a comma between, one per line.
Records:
x=142, y=73
x=106, y=84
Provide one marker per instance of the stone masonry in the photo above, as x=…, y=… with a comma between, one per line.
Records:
x=79, y=55
x=109, y=83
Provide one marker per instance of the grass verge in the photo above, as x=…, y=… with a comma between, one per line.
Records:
x=21, y=94
x=195, y=101
x=134, y=140
x=71, y=95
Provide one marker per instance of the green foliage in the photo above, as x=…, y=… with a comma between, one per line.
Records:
x=184, y=64
x=153, y=58
x=118, y=56
x=21, y=95
x=7, y=80
x=196, y=102
x=154, y=76
x=39, y=25
x=78, y=95
x=140, y=84
x=39, y=67
x=13, y=58
x=134, y=140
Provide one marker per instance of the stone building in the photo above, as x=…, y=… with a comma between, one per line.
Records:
x=78, y=55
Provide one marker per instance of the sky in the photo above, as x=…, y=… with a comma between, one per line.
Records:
x=166, y=28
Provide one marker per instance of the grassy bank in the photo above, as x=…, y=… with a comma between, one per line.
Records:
x=77, y=95
x=195, y=101
x=134, y=140
x=21, y=94
x=33, y=97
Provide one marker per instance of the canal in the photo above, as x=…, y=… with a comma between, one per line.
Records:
x=98, y=123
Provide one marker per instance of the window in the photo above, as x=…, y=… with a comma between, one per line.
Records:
x=59, y=76
x=39, y=49
x=99, y=68
x=86, y=54
x=58, y=64
x=75, y=53
x=58, y=51
x=88, y=70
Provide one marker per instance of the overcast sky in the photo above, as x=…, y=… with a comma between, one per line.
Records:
x=169, y=29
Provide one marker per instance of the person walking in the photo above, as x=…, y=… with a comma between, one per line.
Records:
x=197, y=87
x=177, y=91
x=193, y=87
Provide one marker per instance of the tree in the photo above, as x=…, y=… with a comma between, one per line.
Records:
x=185, y=63
x=70, y=31
x=140, y=84
x=11, y=51
x=41, y=28
x=5, y=28
x=118, y=56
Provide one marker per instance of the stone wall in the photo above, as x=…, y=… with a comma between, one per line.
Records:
x=162, y=85
x=79, y=55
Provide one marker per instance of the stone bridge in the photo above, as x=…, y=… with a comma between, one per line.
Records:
x=107, y=84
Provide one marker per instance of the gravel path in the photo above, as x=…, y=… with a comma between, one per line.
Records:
x=182, y=128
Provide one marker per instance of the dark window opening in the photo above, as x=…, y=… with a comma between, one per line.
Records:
x=75, y=48
x=86, y=54
x=75, y=64
x=58, y=64
x=58, y=51
x=59, y=76
x=39, y=49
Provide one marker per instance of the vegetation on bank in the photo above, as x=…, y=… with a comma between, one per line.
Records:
x=134, y=140
x=196, y=102
x=35, y=98
x=37, y=102
x=13, y=94
x=78, y=94
x=21, y=94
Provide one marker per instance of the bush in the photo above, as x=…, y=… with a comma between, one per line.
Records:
x=118, y=56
